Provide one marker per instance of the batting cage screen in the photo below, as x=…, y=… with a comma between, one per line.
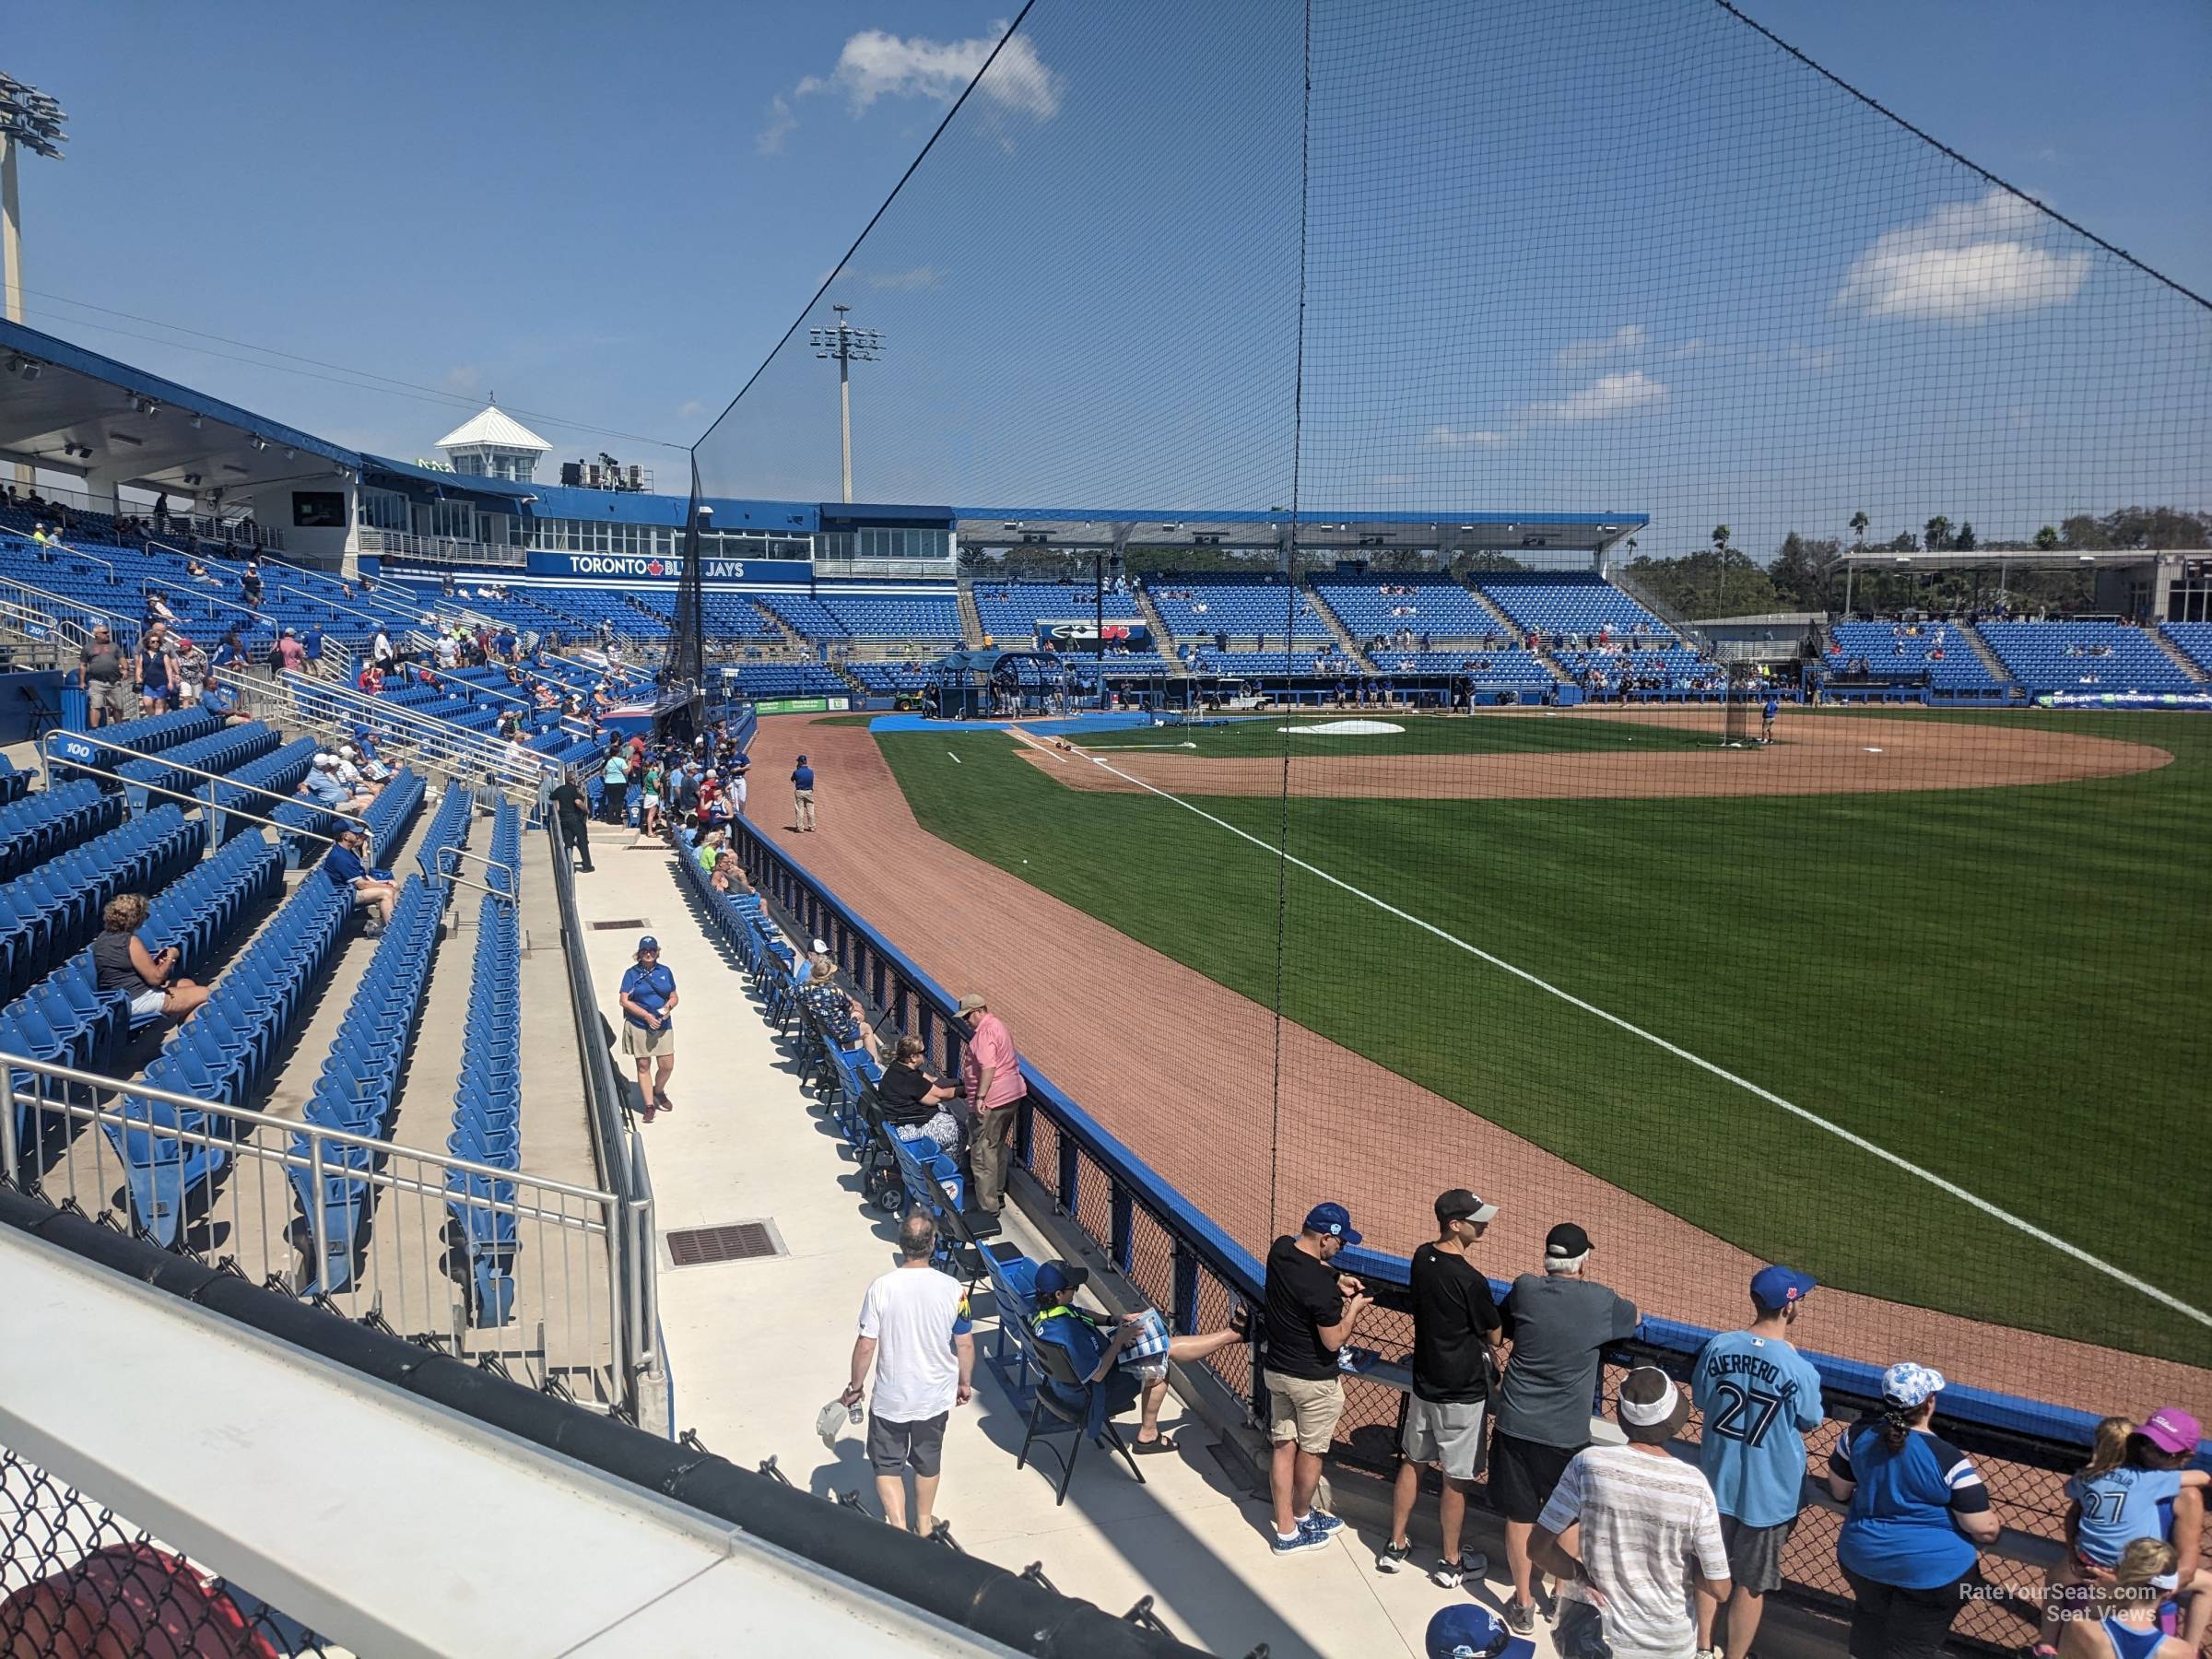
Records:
x=1492, y=408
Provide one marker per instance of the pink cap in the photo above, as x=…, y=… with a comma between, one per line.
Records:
x=2173, y=1430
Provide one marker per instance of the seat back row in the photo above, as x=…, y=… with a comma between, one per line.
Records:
x=179, y=769
x=488, y=1106
x=66, y=1018
x=279, y=772
x=38, y=826
x=359, y=1087
x=50, y=912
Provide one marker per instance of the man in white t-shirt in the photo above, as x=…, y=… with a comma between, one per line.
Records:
x=914, y=1332
x=1650, y=1540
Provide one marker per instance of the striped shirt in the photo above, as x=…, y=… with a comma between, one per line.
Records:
x=1649, y=1525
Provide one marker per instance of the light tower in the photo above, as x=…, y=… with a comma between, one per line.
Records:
x=30, y=120
x=848, y=346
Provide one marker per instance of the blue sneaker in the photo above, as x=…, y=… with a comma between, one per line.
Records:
x=1301, y=1539
x=1319, y=1523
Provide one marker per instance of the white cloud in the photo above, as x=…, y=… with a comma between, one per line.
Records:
x=1965, y=263
x=878, y=64
x=690, y=409
x=768, y=141
x=1607, y=397
x=1688, y=349
x=1626, y=340
x=1451, y=437
x=921, y=277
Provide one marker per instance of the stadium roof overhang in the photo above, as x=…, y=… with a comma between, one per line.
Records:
x=1352, y=531
x=2015, y=558
x=73, y=411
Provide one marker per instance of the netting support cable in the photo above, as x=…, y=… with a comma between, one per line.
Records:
x=1298, y=417
x=1972, y=166
x=836, y=270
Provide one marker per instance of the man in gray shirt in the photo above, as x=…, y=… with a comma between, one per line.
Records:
x=99, y=672
x=1558, y=1322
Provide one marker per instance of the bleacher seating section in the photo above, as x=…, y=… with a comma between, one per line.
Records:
x=1570, y=607
x=888, y=680
x=1379, y=606
x=178, y=768
x=931, y=619
x=1940, y=649
x=359, y=1089
x=1207, y=659
x=1677, y=668
x=1242, y=608
x=2083, y=656
x=1501, y=665
x=225, y=1053
x=152, y=736
x=1010, y=611
x=488, y=1106
x=2195, y=640
x=36, y=827
x=50, y=912
x=67, y=1021
x=785, y=679
x=279, y=772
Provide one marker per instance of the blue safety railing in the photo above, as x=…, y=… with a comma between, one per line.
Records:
x=1174, y=1255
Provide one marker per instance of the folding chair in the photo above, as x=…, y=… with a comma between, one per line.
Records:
x=1051, y=1415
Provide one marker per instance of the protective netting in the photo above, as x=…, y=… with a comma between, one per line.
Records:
x=1550, y=339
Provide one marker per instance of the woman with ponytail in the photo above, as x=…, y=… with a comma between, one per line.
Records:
x=1918, y=1513
x=2125, y=1621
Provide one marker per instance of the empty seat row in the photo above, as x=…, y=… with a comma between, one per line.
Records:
x=151, y=735
x=1428, y=603
x=279, y=772
x=66, y=1018
x=487, y=1105
x=359, y=1087
x=2076, y=656
x=177, y=770
x=52, y=912
x=38, y=826
x=1560, y=605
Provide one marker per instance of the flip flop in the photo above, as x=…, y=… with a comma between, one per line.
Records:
x=1148, y=1448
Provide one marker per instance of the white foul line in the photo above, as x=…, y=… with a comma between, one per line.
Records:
x=1767, y=1095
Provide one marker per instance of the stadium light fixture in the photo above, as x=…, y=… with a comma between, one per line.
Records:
x=846, y=345
x=30, y=120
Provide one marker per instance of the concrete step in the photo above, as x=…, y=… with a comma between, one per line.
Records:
x=2180, y=658
x=1990, y=659
x=1514, y=631
x=1336, y=627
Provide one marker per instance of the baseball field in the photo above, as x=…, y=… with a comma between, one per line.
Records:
x=1912, y=1000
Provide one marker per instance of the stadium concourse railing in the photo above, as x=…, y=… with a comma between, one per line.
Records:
x=1174, y=1255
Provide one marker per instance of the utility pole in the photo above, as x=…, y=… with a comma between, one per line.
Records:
x=31, y=120
x=847, y=346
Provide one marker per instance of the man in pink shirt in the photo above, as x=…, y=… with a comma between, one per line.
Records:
x=291, y=653
x=991, y=1079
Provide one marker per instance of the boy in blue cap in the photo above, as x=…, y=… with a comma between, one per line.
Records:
x=1096, y=1344
x=1312, y=1310
x=1758, y=1396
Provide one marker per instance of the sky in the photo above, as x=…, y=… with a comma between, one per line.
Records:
x=610, y=219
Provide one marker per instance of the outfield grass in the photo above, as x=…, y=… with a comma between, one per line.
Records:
x=1423, y=735
x=2005, y=986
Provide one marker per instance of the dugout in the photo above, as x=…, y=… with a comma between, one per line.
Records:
x=991, y=683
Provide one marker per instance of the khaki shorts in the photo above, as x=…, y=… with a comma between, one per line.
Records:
x=644, y=1045
x=115, y=697
x=1304, y=1409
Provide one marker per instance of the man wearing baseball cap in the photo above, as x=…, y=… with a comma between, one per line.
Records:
x=1312, y=1310
x=1758, y=1396
x=1558, y=1322
x=649, y=998
x=1456, y=1336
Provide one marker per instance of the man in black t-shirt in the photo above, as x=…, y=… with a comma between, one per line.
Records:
x=1312, y=1309
x=575, y=817
x=1455, y=1338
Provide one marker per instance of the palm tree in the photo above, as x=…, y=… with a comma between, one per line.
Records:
x=1859, y=521
x=1938, y=528
x=1720, y=576
x=2046, y=539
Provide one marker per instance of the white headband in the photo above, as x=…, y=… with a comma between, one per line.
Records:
x=1656, y=1412
x=2167, y=1581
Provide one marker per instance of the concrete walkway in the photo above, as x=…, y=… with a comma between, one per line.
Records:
x=756, y=1347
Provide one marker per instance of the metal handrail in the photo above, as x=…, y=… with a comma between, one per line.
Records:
x=384, y=1149
x=454, y=741
x=99, y=772
x=63, y=599
x=515, y=875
